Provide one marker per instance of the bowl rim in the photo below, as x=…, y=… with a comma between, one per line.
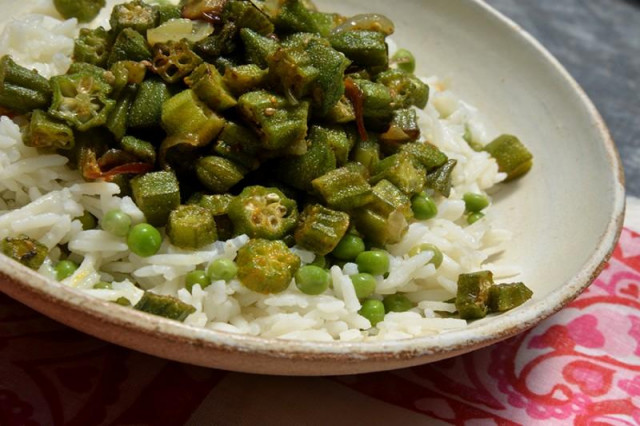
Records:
x=26, y=286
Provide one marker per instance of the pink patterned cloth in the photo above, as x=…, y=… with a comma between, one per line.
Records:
x=581, y=366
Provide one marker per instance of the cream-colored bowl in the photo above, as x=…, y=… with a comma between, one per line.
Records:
x=566, y=213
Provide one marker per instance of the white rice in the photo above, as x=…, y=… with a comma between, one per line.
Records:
x=42, y=198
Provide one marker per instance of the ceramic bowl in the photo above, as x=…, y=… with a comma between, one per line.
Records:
x=566, y=214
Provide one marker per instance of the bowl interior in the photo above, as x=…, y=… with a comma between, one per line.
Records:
x=561, y=210
x=565, y=215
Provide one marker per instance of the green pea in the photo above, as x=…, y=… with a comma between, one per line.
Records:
x=88, y=221
x=144, y=240
x=373, y=310
x=423, y=207
x=405, y=60
x=116, y=222
x=349, y=247
x=312, y=280
x=196, y=277
x=102, y=285
x=222, y=269
x=364, y=284
x=64, y=269
x=374, y=262
x=474, y=217
x=122, y=301
x=437, y=258
x=475, y=202
x=397, y=303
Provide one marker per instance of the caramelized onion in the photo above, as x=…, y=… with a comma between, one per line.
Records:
x=353, y=92
x=91, y=169
x=367, y=22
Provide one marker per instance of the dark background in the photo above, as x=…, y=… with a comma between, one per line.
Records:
x=598, y=41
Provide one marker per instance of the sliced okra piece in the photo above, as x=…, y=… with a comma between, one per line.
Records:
x=143, y=150
x=325, y=22
x=17, y=75
x=343, y=189
x=402, y=129
x=216, y=204
x=406, y=88
x=184, y=115
x=21, y=99
x=127, y=73
x=381, y=229
x=403, y=171
x=232, y=153
x=300, y=170
x=96, y=71
x=338, y=139
x=174, y=60
x=328, y=87
x=320, y=229
x=45, y=132
x=278, y=123
x=135, y=15
x=387, y=198
x=512, y=156
x=244, y=78
x=440, y=178
x=218, y=174
x=291, y=69
x=261, y=212
x=366, y=152
x=191, y=227
x=365, y=48
x=503, y=297
x=82, y=10
x=146, y=110
x=299, y=41
x=129, y=45
x=164, y=306
x=356, y=167
x=117, y=121
x=29, y=252
x=257, y=47
x=207, y=84
x=222, y=42
x=22, y=90
x=93, y=46
x=473, y=294
x=168, y=11
x=377, y=104
x=81, y=99
x=266, y=266
x=156, y=194
x=241, y=138
x=426, y=154
x=246, y=15
x=293, y=16
x=238, y=144
x=342, y=112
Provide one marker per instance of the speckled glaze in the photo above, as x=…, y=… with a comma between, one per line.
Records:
x=566, y=214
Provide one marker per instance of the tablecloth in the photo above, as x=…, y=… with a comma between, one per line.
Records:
x=581, y=366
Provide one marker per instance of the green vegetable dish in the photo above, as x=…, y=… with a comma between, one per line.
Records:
x=261, y=163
